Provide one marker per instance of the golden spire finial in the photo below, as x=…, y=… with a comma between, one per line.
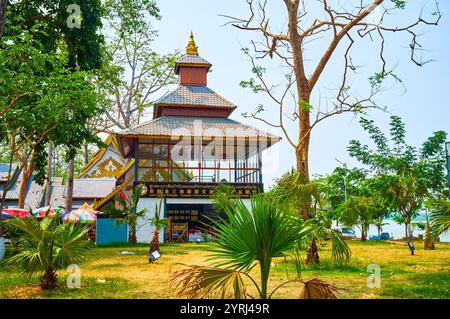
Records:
x=192, y=49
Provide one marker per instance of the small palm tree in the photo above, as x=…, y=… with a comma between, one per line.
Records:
x=159, y=224
x=245, y=240
x=295, y=188
x=47, y=246
x=126, y=212
x=357, y=211
x=440, y=218
x=321, y=227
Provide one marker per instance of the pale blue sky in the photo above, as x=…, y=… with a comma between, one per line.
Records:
x=424, y=107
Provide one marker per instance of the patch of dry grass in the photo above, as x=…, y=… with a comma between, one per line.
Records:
x=109, y=274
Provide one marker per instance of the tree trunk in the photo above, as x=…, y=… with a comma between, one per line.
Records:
x=406, y=230
x=264, y=266
x=312, y=254
x=49, y=280
x=132, y=236
x=86, y=154
x=410, y=231
x=27, y=171
x=154, y=245
x=5, y=187
x=363, y=234
x=428, y=243
x=3, y=8
x=70, y=173
x=304, y=134
x=303, y=89
x=48, y=185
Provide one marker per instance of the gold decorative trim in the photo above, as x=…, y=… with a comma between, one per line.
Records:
x=110, y=140
x=100, y=203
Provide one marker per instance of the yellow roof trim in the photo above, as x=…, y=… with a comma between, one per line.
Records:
x=98, y=204
x=99, y=154
x=126, y=168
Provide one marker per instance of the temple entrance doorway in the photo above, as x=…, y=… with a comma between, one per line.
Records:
x=190, y=222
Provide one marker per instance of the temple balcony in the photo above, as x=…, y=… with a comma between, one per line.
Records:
x=190, y=170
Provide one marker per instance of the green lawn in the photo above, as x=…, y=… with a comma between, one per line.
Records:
x=107, y=274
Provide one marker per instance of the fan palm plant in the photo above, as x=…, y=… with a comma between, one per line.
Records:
x=440, y=218
x=245, y=240
x=47, y=246
x=321, y=226
x=295, y=188
x=127, y=212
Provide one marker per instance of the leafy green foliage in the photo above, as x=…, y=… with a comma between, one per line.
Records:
x=246, y=239
x=47, y=244
x=340, y=185
x=405, y=177
x=295, y=187
x=357, y=211
x=400, y=4
x=55, y=103
x=304, y=105
x=251, y=84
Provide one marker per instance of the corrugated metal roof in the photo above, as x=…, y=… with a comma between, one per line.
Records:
x=92, y=187
x=197, y=127
x=193, y=95
x=34, y=195
x=57, y=196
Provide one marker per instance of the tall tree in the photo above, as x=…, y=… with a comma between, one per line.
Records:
x=337, y=28
x=84, y=44
x=407, y=176
x=51, y=102
x=134, y=73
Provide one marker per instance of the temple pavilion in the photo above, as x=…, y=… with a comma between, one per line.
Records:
x=184, y=153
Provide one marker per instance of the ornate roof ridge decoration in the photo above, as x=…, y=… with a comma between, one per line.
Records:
x=98, y=204
x=192, y=48
x=191, y=59
x=127, y=167
x=195, y=96
x=110, y=140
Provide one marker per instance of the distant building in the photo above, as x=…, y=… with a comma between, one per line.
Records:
x=86, y=190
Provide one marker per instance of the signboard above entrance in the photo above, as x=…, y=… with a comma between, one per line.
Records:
x=196, y=190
